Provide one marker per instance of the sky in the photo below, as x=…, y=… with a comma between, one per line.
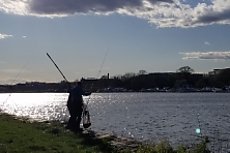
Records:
x=90, y=38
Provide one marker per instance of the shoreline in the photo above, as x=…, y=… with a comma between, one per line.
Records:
x=1, y=92
x=114, y=143
x=22, y=135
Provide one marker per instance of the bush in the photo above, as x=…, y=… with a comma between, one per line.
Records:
x=201, y=148
x=165, y=147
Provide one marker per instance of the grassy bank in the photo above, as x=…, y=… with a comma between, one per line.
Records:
x=21, y=136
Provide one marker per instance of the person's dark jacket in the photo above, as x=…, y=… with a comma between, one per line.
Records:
x=75, y=97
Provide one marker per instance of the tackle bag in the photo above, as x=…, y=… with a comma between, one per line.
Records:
x=86, y=117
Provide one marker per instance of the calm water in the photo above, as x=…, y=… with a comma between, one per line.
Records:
x=142, y=116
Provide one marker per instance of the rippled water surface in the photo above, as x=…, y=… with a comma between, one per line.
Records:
x=143, y=116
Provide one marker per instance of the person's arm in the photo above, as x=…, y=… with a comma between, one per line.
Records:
x=87, y=93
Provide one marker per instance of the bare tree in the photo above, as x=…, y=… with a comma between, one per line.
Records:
x=185, y=69
x=142, y=72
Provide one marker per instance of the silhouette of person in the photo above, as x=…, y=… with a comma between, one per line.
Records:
x=75, y=107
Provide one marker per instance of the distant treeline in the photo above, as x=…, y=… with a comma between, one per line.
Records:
x=182, y=79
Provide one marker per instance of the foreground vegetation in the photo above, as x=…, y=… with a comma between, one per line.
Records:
x=22, y=136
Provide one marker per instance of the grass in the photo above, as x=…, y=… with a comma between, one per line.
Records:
x=164, y=147
x=22, y=136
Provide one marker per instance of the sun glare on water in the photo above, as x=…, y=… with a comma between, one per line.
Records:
x=34, y=105
x=32, y=99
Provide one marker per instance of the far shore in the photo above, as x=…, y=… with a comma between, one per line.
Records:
x=45, y=89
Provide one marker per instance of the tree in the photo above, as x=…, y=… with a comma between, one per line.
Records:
x=104, y=77
x=142, y=72
x=185, y=69
x=223, y=77
x=128, y=76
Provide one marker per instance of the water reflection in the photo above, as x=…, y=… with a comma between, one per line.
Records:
x=38, y=106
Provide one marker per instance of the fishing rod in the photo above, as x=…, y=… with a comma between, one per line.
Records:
x=99, y=72
x=57, y=67
x=86, y=116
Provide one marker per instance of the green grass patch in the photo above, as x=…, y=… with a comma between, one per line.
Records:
x=21, y=136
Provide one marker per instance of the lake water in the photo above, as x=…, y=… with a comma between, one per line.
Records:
x=143, y=116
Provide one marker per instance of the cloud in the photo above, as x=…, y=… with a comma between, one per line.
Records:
x=162, y=13
x=56, y=8
x=80, y=6
x=207, y=43
x=19, y=7
x=24, y=37
x=5, y=36
x=218, y=12
x=207, y=55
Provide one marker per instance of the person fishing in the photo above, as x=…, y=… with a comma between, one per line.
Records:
x=75, y=106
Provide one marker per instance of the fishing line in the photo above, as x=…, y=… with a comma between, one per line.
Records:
x=102, y=63
x=99, y=72
x=199, y=130
x=100, y=67
x=21, y=70
x=86, y=115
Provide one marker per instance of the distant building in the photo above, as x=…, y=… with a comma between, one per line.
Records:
x=217, y=71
